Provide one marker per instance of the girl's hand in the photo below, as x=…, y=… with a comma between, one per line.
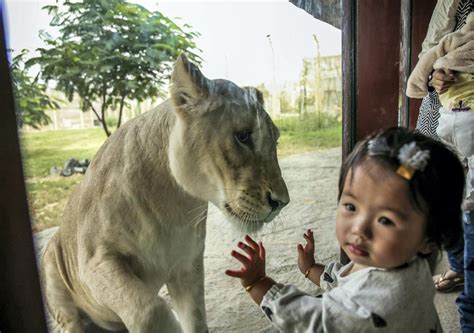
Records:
x=253, y=263
x=442, y=80
x=306, y=253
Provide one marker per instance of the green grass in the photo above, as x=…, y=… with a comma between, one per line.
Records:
x=48, y=195
x=309, y=133
x=47, y=198
x=42, y=150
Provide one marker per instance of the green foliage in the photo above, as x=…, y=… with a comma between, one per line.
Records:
x=285, y=103
x=305, y=99
x=111, y=51
x=30, y=96
x=308, y=133
x=111, y=122
x=308, y=122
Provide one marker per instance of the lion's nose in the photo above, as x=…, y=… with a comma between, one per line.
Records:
x=274, y=202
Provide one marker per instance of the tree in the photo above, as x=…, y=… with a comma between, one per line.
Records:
x=302, y=98
x=111, y=51
x=285, y=103
x=31, y=99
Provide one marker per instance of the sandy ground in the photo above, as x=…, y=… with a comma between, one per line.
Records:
x=312, y=183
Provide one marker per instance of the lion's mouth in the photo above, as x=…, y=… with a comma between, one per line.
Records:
x=238, y=216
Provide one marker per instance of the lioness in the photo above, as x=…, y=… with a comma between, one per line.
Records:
x=133, y=223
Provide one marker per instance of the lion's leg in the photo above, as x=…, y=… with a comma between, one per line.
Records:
x=62, y=310
x=114, y=285
x=186, y=289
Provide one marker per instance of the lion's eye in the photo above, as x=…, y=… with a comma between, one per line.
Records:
x=243, y=136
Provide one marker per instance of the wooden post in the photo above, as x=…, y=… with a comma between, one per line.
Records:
x=405, y=62
x=421, y=12
x=21, y=307
x=349, y=96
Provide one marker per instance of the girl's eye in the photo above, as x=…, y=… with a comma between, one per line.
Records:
x=243, y=136
x=386, y=221
x=350, y=207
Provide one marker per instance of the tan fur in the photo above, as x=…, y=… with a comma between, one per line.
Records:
x=137, y=219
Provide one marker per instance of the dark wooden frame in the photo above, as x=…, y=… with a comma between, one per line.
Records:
x=372, y=64
x=349, y=68
x=375, y=71
x=405, y=61
x=349, y=95
x=21, y=308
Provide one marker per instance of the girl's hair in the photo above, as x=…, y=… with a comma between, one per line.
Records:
x=436, y=191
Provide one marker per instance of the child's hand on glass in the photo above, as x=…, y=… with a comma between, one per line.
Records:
x=253, y=263
x=306, y=253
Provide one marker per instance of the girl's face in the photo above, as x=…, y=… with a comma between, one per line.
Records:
x=376, y=223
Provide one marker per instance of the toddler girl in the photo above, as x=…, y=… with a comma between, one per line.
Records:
x=399, y=196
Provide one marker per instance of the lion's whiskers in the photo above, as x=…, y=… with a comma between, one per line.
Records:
x=247, y=219
x=199, y=218
x=197, y=208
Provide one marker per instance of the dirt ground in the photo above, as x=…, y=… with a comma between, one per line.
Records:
x=312, y=183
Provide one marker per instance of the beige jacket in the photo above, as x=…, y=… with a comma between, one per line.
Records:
x=443, y=22
x=455, y=51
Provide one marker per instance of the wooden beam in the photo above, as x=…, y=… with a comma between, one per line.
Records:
x=349, y=75
x=328, y=11
x=405, y=62
x=21, y=307
x=377, y=62
x=420, y=18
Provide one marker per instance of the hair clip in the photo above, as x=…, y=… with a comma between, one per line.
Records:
x=412, y=159
x=378, y=146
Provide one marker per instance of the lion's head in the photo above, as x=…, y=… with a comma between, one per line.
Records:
x=223, y=147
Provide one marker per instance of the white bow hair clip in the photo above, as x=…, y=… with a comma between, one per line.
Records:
x=412, y=159
x=378, y=146
x=410, y=156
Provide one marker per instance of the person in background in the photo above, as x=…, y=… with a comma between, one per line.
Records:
x=449, y=93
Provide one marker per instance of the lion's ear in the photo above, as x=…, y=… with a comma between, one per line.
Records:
x=188, y=84
x=260, y=97
x=254, y=94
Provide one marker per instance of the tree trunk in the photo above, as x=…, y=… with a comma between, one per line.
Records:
x=122, y=103
x=99, y=118
x=104, y=124
x=103, y=108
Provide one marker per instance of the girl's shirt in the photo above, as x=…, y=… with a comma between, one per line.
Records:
x=368, y=300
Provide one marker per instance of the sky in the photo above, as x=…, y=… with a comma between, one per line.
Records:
x=248, y=42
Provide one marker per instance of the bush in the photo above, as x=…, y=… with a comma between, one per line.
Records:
x=308, y=122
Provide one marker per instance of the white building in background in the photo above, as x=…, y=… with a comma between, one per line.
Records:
x=70, y=115
x=324, y=82
x=322, y=88
x=318, y=90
